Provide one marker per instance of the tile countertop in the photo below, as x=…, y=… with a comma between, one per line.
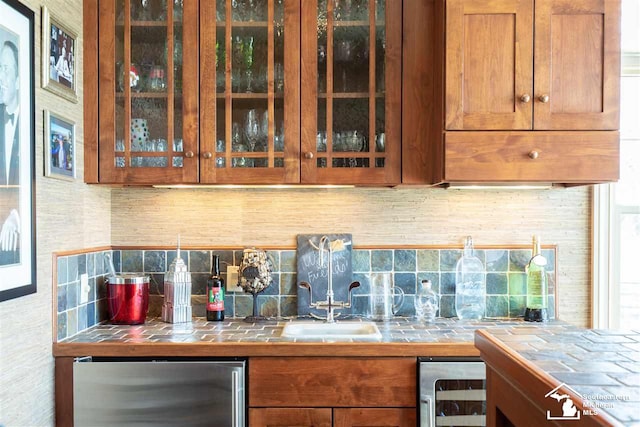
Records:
x=234, y=337
x=600, y=367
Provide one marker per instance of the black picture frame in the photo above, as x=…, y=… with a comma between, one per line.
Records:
x=17, y=164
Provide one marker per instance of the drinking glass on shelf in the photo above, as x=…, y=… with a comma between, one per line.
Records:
x=380, y=142
x=161, y=145
x=252, y=129
x=236, y=138
x=278, y=77
x=248, y=61
x=264, y=129
x=321, y=142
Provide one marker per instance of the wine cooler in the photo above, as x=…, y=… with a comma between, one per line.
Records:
x=452, y=392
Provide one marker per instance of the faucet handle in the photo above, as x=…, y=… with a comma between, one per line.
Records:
x=305, y=285
x=354, y=285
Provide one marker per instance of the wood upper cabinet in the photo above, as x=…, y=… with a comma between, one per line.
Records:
x=351, y=91
x=141, y=93
x=489, y=64
x=211, y=92
x=532, y=64
x=577, y=65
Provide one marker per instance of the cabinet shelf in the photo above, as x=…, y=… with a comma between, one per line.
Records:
x=154, y=95
x=236, y=95
x=162, y=24
x=351, y=95
x=244, y=24
x=356, y=23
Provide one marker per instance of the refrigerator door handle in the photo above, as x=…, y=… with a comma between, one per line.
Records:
x=426, y=407
x=235, y=399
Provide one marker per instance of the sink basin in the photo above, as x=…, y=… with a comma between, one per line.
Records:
x=334, y=331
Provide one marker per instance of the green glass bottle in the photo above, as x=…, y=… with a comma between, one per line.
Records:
x=537, y=286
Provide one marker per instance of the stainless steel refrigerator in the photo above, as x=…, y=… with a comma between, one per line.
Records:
x=158, y=392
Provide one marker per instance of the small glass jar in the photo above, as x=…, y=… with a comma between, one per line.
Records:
x=157, y=82
x=426, y=302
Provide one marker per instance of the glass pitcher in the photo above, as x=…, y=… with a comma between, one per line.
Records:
x=382, y=298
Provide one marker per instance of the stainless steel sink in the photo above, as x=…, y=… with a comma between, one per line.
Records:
x=332, y=331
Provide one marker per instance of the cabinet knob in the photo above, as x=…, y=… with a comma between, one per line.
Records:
x=544, y=98
x=188, y=154
x=525, y=98
x=308, y=155
x=207, y=155
x=534, y=155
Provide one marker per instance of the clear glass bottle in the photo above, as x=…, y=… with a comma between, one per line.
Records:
x=471, y=286
x=537, y=286
x=426, y=302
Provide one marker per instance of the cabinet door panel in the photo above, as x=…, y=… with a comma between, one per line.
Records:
x=289, y=417
x=378, y=417
x=577, y=64
x=351, y=92
x=489, y=57
x=148, y=108
x=249, y=74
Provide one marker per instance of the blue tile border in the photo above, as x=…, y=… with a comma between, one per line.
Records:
x=506, y=280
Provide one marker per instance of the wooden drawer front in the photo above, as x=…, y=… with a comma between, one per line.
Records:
x=559, y=157
x=379, y=417
x=332, y=382
x=286, y=417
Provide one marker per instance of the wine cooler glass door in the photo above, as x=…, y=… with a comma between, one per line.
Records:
x=452, y=394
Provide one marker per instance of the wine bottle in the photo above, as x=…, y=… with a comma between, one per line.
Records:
x=537, y=287
x=215, y=292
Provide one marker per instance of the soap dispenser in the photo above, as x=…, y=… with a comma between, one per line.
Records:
x=471, y=285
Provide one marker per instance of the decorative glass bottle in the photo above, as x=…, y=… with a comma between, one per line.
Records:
x=537, y=286
x=426, y=302
x=471, y=286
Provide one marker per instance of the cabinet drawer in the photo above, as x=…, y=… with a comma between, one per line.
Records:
x=559, y=157
x=332, y=382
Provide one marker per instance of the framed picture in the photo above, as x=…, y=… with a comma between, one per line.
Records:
x=59, y=147
x=17, y=160
x=58, y=57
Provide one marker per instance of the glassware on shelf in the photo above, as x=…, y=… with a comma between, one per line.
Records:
x=247, y=51
x=236, y=138
x=278, y=77
x=220, y=10
x=264, y=130
x=380, y=142
x=252, y=129
x=157, y=82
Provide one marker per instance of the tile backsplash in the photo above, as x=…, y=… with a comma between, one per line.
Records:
x=506, y=281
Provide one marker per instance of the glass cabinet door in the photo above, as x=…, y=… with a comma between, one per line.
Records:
x=249, y=91
x=351, y=83
x=148, y=92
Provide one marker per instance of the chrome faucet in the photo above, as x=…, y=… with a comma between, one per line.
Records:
x=329, y=304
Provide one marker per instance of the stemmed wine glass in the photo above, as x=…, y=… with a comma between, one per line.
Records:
x=248, y=61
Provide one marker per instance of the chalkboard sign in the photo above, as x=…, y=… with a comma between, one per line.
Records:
x=312, y=271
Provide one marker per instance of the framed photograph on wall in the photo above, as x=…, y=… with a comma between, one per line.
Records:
x=17, y=142
x=60, y=147
x=59, y=49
